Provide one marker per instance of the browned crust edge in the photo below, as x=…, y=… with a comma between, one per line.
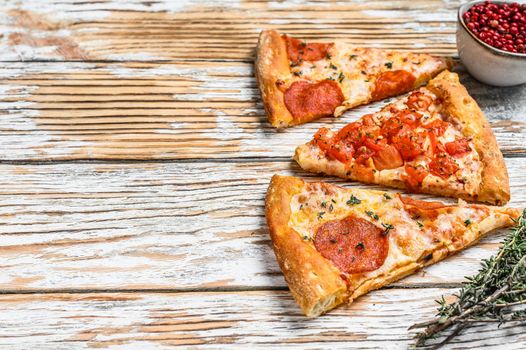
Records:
x=315, y=283
x=494, y=187
x=272, y=63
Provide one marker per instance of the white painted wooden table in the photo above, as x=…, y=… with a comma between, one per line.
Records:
x=135, y=155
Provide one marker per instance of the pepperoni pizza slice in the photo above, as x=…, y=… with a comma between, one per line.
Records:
x=301, y=81
x=436, y=140
x=335, y=244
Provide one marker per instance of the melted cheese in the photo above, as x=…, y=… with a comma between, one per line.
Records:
x=355, y=68
x=409, y=240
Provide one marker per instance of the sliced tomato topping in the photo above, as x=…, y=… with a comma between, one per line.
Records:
x=363, y=154
x=409, y=143
x=458, y=147
x=409, y=117
x=437, y=126
x=351, y=132
x=374, y=144
x=443, y=165
x=387, y=158
x=368, y=120
x=391, y=127
x=415, y=175
x=333, y=147
x=342, y=151
x=419, y=101
x=433, y=142
x=322, y=140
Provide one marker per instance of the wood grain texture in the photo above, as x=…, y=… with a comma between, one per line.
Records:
x=113, y=80
x=161, y=225
x=206, y=29
x=175, y=110
x=255, y=320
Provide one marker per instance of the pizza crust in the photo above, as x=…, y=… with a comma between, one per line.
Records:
x=314, y=282
x=272, y=63
x=494, y=187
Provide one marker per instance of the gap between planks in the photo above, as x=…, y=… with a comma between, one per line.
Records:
x=255, y=160
x=222, y=289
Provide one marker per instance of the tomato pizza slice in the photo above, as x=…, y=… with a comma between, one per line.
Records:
x=436, y=140
x=335, y=244
x=301, y=81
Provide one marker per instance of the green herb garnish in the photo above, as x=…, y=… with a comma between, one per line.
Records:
x=372, y=214
x=353, y=200
x=388, y=227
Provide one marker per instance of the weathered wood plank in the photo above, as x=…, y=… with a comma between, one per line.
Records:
x=154, y=30
x=160, y=225
x=174, y=110
x=263, y=319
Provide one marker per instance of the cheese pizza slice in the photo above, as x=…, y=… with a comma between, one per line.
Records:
x=436, y=140
x=335, y=244
x=301, y=81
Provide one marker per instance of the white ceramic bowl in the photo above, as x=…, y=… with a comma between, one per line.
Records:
x=486, y=63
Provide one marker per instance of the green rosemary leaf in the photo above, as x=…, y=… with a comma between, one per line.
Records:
x=492, y=295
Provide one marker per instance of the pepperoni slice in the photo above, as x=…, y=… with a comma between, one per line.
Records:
x=353, y=244
x=422, y=209
x=393, y=82
x=306, y=100
x=298, y=50
x=427, y=205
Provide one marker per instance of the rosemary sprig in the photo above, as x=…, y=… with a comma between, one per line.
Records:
x=497, y=293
